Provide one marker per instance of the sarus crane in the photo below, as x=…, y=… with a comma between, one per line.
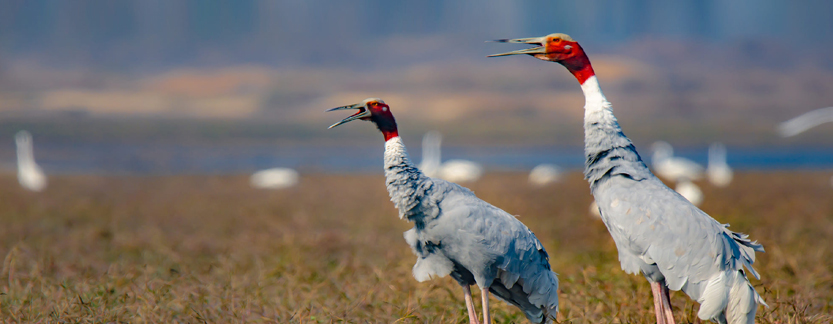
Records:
x=455, y=233
x=657, y=232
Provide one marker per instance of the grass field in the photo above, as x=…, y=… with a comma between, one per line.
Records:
x=196, y=249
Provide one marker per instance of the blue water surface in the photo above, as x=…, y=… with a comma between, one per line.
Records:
x=156, y=159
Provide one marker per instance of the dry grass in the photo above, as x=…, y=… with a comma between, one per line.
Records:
x=209, y=249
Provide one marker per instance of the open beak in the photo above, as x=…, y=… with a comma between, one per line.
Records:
x=532, y=51
x=363, y=112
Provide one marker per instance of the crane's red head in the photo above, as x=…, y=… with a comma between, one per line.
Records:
x=559, y=48
x=375, y=110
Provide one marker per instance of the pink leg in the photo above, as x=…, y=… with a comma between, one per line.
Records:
x=470, y=305
x=656, y=290
x=666, y=304
x=485, y=294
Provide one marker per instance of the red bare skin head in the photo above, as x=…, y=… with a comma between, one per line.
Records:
x=376, y=111
x=559, y=48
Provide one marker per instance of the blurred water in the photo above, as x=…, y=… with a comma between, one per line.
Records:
x=155, y=159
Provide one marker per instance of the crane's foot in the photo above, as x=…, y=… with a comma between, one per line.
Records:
x=470, y=305
x=485, y=295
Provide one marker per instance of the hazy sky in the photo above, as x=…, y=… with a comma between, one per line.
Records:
x=158, y=33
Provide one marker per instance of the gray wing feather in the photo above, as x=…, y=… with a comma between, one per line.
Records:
x=656, y=225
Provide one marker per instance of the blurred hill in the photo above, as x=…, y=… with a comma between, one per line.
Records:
x=509, y=99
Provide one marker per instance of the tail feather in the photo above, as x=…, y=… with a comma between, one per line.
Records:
x=730, y=298
x=743, y=302
x=714, y=298
x=537, y=297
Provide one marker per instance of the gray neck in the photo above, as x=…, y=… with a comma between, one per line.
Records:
x=607, y=151
x=408, y=188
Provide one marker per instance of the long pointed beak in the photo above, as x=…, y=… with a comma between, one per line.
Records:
x=362, y=113
x=531, y=40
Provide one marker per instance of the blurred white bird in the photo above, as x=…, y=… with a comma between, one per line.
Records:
x=544, y=174
x=430, y=164
x=677, y=169
x=594, y=210
x=29, y=174
x=718, y=171
x=276, y=178
x=689, y=191
x=457, y=171
x=671, y=167
x=460, y=171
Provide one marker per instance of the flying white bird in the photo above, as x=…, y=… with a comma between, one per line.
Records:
x=805, y=121
x=718, y=170
x=671, y=167
x=455, y=233
x=544, y=174
x=457, y=171
x=29, y=174
x=658, y=233
x=276, y=178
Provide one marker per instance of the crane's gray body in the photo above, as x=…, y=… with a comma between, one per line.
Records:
x=456, y=233
x=658, y=232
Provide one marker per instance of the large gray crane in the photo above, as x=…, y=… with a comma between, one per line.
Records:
x=456, y=233
x=659, y=233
